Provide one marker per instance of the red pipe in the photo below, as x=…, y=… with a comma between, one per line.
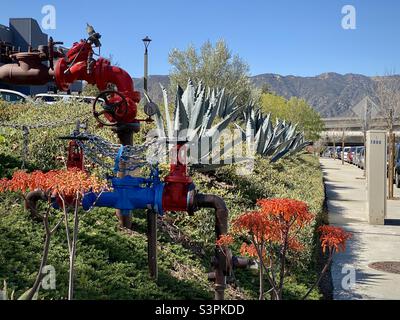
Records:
x=76, y=65
x=101, y=73
x=75, y=158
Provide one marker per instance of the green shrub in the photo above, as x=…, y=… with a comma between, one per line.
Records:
x=112, y=264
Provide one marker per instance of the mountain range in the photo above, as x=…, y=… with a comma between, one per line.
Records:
x=330, y=94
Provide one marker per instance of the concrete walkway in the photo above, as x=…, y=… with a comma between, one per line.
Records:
x=346, y=192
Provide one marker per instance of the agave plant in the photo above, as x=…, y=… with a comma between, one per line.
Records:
x=4, y=294
x=202, y=114
x=276, y=142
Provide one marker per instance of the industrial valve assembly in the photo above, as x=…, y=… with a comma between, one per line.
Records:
x=118, y=110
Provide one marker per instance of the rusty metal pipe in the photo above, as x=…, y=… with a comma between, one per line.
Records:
x=31, y=200
x=222, y=257
x=152, y=243
x=29, y=70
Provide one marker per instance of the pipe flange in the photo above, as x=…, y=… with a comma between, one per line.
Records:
x=158, y=193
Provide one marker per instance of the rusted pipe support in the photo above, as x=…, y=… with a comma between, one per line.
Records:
x=223, y=257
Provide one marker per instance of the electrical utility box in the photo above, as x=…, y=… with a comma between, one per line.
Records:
x=376, y=176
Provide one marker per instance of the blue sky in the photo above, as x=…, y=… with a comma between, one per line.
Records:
x=288, y=37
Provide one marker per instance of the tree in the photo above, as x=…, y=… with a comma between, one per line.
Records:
x=294, y=110
x=320, y=145
x=265, y=88
x=387, y=90
x=215, y=66
x=336, y=137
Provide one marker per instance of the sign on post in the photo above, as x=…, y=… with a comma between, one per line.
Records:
x=376, y=176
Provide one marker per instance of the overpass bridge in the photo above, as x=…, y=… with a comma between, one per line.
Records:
x=353, y=129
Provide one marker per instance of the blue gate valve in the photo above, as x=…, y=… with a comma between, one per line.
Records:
x=129, y=193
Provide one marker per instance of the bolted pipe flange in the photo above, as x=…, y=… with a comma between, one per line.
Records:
x=241, y=262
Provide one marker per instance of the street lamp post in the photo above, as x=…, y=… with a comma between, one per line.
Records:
x=151, y=214
x=146, y=42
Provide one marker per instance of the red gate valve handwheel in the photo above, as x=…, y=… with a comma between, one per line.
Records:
x=115, y=108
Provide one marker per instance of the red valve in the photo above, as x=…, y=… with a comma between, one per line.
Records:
x=75, y=156
x=179, y=188
x=75, y=67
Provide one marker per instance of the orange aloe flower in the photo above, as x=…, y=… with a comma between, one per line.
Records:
x=224, y=240
x=250, y=250
x=65, y=182
x=287, y=210
x=333, y=238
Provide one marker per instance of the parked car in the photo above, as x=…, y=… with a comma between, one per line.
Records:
x=338, y=152
x=361, y=159
x=13, y=96
x=397, y=166
x=346, y=151
x=329, y=151
x=53, y=98
x=350, y=155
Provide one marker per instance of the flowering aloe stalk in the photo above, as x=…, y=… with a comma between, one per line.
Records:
x=276, y=224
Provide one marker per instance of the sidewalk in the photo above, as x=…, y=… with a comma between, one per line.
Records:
x=346, y=192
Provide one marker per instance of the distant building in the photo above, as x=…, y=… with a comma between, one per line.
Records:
x=21, y=34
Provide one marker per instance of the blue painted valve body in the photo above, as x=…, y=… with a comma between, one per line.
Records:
x=129, y=193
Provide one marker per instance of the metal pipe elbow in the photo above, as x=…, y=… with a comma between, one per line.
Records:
x=31, y=200
x=221, y=211
x=16, y=74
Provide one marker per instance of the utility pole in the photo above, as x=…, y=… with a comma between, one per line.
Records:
x=343, y=146
x=334, y=147
x=367, y=118
x=391, y=156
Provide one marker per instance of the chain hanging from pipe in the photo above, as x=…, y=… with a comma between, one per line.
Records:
x=26, y=129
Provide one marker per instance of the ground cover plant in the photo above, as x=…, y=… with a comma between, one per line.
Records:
x=111, y=264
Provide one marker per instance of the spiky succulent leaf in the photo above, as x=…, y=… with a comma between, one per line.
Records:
x=201, y=114
x=158, y=117
x=181, y=120
x=197, y=112
x=168, y=122
x=188, y=98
